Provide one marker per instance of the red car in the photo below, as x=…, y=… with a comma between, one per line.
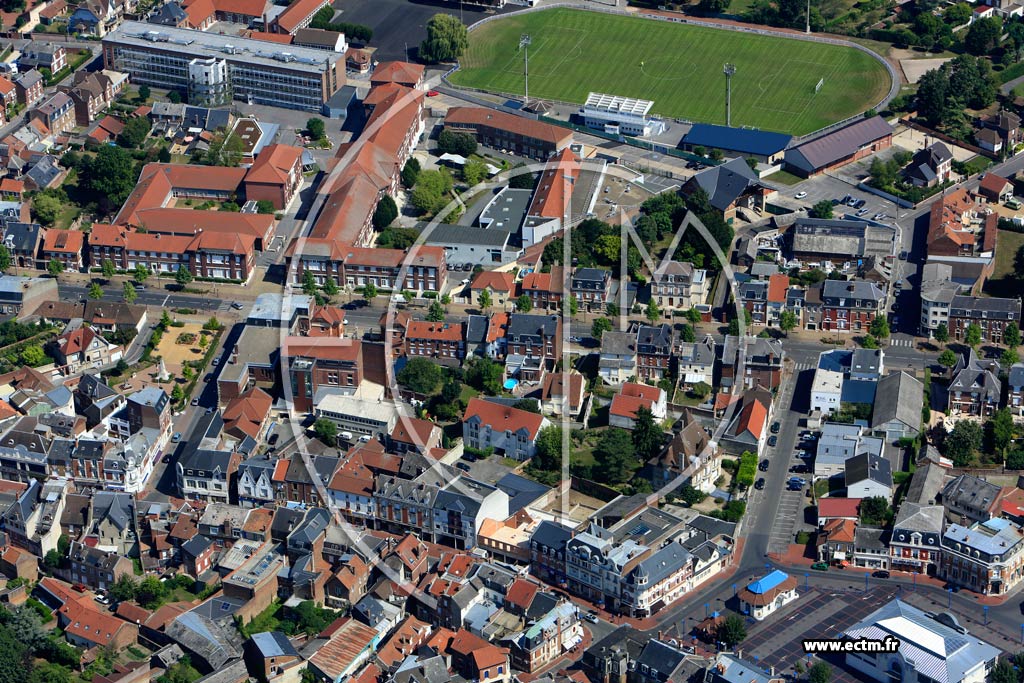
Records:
x=432, y=93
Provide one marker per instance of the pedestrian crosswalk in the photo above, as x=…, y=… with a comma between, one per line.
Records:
x=901, y=342
x=804, y=366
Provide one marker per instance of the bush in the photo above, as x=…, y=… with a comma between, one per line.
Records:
x=732, y=512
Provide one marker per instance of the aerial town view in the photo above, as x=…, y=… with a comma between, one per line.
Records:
x=511, y=341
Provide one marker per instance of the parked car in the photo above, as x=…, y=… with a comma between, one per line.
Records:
x=776, y=427
x=801, y=194
x=860, y=203
x=591, y=617
x=773, y=441
x=880, y=574
x=759, y=484
x=463, y=466
x=195, y=401
x=763, y=465
x=237, y=306
x=216, y=362
x=432, y=93
x=167, y=458
x=176, y=438
x=820, y=566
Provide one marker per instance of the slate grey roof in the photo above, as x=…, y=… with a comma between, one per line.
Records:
x=520, y=490
x=661, y=659
x=618, y=343
x=527, y=324
x=663, y=563
x=118, y=508
x=197, y=545
x=969, y=491
x=448, y=234
x=992, y=308
x=169, y=14
x=476, y=329
x=869, y=538
x=551, y=534
x=916, y=517
x=974, y=376
x=828, y=149
x=22, y=236
x=1016, y=375
x=726, y=182
x=855, y=289
x=925, y=484
x=867, y=466
x=899, y=397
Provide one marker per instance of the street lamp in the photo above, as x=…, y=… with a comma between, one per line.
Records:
x=728, y=70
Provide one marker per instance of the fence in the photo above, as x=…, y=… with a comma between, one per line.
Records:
x=894, y=81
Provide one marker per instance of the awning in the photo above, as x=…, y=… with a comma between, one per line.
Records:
x=838, y=555
x=693, y=377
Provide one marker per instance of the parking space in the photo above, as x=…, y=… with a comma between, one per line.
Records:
x=399, y=26
x=790, y=509
x=817, y=613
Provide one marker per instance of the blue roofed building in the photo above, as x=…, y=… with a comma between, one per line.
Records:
x=762, y=145
x=931, y=647
x=764, y=596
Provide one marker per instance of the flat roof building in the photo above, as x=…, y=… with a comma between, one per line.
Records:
x=215, y=69
x=621, y=115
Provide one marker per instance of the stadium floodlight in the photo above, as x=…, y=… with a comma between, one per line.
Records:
x=524, y=45
x=728, y=70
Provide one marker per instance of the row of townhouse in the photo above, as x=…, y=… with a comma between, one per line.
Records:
x=676, y=286
x=831, y=306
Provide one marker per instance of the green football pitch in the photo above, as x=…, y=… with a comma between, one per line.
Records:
x=678, y=66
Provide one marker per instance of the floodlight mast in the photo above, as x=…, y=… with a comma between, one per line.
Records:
x=728, y=70
x=524, y=45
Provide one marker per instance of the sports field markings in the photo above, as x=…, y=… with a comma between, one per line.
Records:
x=515, y=63
x=668, y=70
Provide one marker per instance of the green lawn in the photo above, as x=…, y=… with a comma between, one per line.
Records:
x=679, y=66
x=1003, y=281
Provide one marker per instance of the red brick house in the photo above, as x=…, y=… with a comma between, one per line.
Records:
x=275, y=176
x=441, y=341
x=65, y=246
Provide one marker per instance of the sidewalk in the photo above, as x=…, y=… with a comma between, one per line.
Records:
x=797, y=558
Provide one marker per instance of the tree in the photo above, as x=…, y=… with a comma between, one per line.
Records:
x=701, y=390
x=574, y=306
x=129, y=293
x=46, y=207
x=686, y=334
x=1011, y=335
x=549, y=448
x=369, y=291
x=5, y=258
x=947, y=359
x=177, y=394
x=316, y=128
x=600, y=326
x=713, y=6
x=449, y=142
x=55, y=267
x=95, y=291
x=14, y=657
x=308, y=283
x=999, y=431
x=410, y=172
x=48, y=672
x=963, y=442
x=942, y=333
x=874, y=510
x=1009, y=357
x=484, y=374
x=326, y=431
x=880, y=327
x=322, y=18
x=732, y=631
x=520, y=178
x=144, y=92
x=141, y=273
x=330, y=287
x=484, y=300
x=33, y=355
x=183, y=276
x=983, y=35
x=385, y=213
x=174, y=97
x=932, y=89
x=421, y=376
x=822, y=209
x=151, y=592
x=474, y=172
x=613, y=456
x=524, y=304
x=787, y=321
x=447, y=39
x=653, y=313
x=820, y=672
x=431, y=192
x=435, y=313
x=1003, y=672
x=647, y=435
x=225, y=150
x=110, y=176
x=135, y=132
x=973, y=335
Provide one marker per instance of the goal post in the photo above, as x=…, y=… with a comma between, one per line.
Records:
x=817, y=88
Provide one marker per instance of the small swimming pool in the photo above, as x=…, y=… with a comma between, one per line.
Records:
x=511, y=384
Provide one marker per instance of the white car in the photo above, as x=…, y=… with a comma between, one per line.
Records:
x=801, y=195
